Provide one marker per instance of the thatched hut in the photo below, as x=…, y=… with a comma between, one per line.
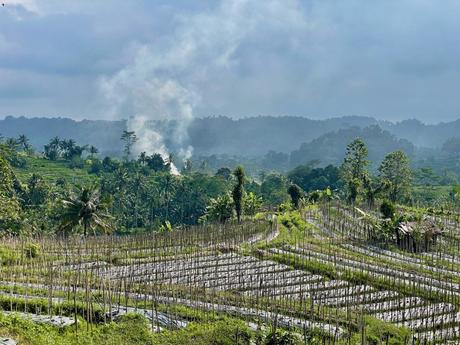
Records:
x=418, y=236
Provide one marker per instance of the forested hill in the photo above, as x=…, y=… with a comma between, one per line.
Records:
x=257, y=135
x=328, y=148
x=254, y=136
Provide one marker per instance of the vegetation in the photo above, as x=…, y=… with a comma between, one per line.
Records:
x=314, y=255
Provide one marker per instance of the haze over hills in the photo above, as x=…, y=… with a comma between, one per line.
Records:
x=301, y=138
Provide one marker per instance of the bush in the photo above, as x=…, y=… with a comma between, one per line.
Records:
x=280, y=337
x=387, y=209
x=76, y=163
x=32, y=250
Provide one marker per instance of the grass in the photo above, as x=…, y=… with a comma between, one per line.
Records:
x=52, y=171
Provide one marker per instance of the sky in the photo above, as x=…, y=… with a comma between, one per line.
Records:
x=157, y=59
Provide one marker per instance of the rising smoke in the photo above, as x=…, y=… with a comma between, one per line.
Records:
x=165, y=81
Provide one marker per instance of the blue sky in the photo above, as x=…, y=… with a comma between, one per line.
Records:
x=107, y=59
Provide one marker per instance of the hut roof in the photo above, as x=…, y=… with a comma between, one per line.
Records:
x=426, y=226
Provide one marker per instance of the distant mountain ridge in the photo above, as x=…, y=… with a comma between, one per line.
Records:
x=252, y=136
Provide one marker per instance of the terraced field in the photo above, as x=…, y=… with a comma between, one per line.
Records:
x=327, y=278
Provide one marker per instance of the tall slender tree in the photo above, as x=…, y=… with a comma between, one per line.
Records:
x=93, y=151
x=23, y=143
x=129, y=138
x=238, y=192
x=354, y=168
x=395, y=175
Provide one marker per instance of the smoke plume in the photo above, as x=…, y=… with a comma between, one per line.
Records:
x=167, y=79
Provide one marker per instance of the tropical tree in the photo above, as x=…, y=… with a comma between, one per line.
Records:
x=395, y=175
x=274, y=189
x=252, y=203
x=224, y=172
x=156, y=162
x=10, y=208
x=70, y=150
x=238, y=191
x=12, y=144
x=129, y=138
x=354, y=168
x=84, y=208
x=23, y=143
x=372, y=188
x=52, y=149
x=93, y=151
x=37, y=190
x=142, y=159
x=220, y=209
x=296, y=193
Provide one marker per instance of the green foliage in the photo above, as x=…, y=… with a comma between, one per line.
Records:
x=252, y=203
x=37, y=191
x=130, y=330
x=396, y=176
x=10, y=208
x=84, y=208
x=387, y=209
x=238, y=192
x=31, y=250
x=310, y=179
x=354, y=168
x=329, y=147
x=378, y=332
x=280, y=337
x=224, y=332
x=296, y=194
x=7, y=256
x=225, y=173
x=274, y=189
x=129, y=138
x=220, y=209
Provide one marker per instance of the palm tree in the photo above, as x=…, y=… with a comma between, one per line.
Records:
x=84, y=208
x=12, y=144
x=23, y=143
x=93, y=151
x=130, y=138
x=142, y=158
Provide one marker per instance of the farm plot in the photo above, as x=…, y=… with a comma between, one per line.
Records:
x=106, y=277
x=423, y=317
x=307, y=286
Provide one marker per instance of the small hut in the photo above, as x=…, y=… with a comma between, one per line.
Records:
x=418, y=236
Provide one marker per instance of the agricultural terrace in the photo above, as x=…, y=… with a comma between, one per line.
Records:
x=311, y=271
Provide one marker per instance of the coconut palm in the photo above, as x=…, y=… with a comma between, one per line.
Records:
x=12, y=144
x=23, y=143
x=142, y=159
x=93, y=151
x=84, y=208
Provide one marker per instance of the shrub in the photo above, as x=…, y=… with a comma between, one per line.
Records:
x=31, y=250
x=280, y=337
x=387, y=209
